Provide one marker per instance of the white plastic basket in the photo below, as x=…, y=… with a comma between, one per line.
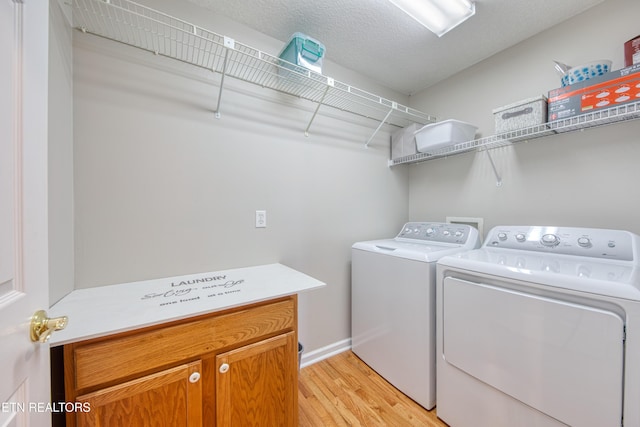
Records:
x=436, y=136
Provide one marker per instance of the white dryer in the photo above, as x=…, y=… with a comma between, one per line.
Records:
x=540, y=327
x=393, y=303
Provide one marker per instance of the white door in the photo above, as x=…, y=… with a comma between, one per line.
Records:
x=24, y=365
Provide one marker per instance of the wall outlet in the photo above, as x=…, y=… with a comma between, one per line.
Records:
x=261, y=219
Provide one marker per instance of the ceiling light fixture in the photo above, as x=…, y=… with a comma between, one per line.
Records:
x=439, y=16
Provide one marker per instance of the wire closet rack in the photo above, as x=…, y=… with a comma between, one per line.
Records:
x=142, y=27
x=602, y=117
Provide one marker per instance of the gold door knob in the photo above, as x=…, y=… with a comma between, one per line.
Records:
x=42, y=326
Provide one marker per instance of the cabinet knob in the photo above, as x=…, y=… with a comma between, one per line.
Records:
x=224, y=368
x=194, y=378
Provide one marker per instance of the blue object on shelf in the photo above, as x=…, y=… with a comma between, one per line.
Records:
x=304, y=51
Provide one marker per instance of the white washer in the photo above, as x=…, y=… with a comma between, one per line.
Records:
x=540, y=327
x=393, y=303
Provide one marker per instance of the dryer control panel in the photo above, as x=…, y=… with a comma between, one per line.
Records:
x=589, y=242
x=424, y=232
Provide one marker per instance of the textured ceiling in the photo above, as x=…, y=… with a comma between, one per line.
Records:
x=376, y=39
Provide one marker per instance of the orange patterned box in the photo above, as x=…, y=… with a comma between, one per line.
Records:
x=611, y=93
x=609, y=90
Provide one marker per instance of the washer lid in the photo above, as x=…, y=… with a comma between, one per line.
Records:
x=424, y=252
x=584, y=274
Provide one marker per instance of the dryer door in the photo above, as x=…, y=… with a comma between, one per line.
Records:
x=563, y=359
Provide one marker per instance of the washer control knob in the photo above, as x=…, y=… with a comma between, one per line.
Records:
x=550, y=240
x=502, y=236
x=430, y=231
x=584, y=242
x=521, y=237
x=446, y=232
x=458, y=233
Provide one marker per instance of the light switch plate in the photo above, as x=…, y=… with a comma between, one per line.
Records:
x=261, y=219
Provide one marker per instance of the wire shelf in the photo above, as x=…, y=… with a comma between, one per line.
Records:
x=139, y=26
x=619, y=113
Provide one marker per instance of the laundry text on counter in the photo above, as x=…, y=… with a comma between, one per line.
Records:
x=168, y=294
x=194, y=281
x=227, y=284
x=177, y=293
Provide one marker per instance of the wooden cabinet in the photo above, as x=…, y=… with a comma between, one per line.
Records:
x=230, y=368
x=254, y=384
x=172, y=397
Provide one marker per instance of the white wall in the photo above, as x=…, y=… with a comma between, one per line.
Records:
x=60, y=174
x=586, y=178
x=162, y=188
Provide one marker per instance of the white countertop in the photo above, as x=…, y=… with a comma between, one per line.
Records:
x=106, y=310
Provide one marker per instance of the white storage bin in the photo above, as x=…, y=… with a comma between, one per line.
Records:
x=522, y=114
x=435, y=136
x=403, y=142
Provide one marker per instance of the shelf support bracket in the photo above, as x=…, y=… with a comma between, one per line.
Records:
x=229, y=43
x=330, y=83
x=495, y=171
x=394, y=105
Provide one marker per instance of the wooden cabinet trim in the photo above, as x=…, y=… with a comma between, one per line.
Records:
x=139, y=385
x=100, y=362
x=172, y=386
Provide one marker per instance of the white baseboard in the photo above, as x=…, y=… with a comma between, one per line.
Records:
x=325, y=352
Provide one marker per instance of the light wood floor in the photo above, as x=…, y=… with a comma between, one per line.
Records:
x=344, y=391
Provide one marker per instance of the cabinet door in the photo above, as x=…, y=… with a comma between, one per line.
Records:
x=257, y=384
x=171, y=398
